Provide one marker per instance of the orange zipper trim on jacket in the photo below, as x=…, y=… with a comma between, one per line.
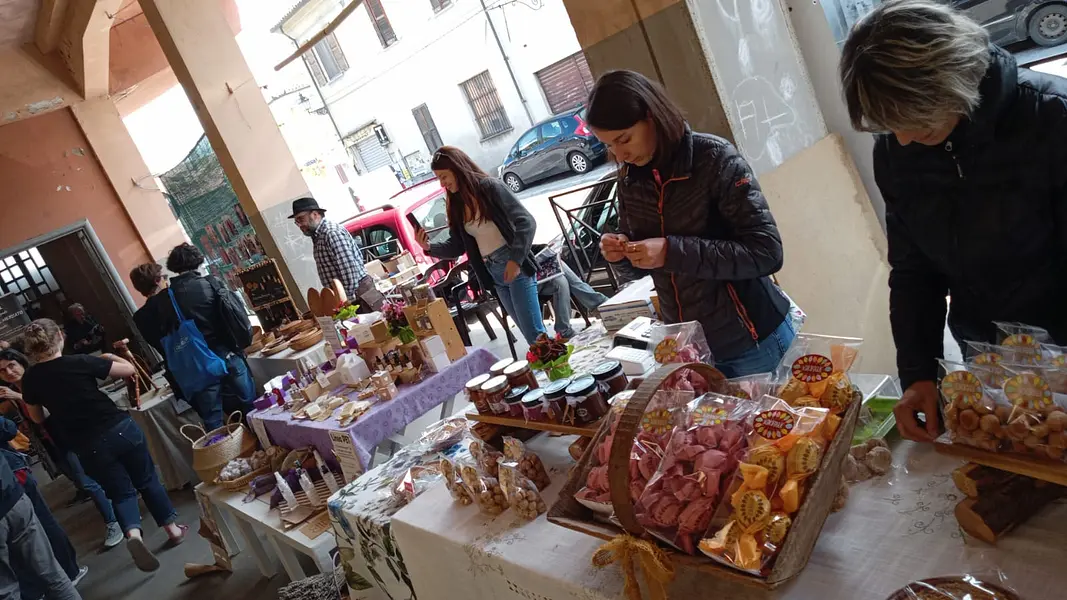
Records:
x=742, y=312
x=662, y=188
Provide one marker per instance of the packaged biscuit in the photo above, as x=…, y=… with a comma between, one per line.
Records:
x=521, y=493
x=815, y=372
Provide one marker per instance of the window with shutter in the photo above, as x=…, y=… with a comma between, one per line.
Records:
x=427, y=127
x=335, y=50
x=312, y=61
x=386, y=35
x=439, y=5
x=489, y=113
x=328, y=55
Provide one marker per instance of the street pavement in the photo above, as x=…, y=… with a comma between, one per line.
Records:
x=535, y=198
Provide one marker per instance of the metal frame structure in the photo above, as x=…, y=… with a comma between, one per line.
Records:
x=583, y=260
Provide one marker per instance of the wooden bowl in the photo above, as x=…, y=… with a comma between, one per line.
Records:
x=275, y=348
x=305, y=340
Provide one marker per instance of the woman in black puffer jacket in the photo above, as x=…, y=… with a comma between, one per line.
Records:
x=693, y=215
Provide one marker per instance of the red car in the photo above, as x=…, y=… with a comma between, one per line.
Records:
x=385, y=232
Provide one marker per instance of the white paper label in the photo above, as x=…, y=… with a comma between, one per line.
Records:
x=261, y=432
x=330, y=333
x=323, y=381
x=345, y=452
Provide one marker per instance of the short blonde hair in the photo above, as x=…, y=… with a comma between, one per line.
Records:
x=912, y=64
x=41, y=339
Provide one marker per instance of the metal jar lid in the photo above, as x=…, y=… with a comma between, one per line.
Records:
x=499, y=366
x=607, y=369
x=580, y=386
x=533, y=398
x=516, y=394
x=517, y=367
x=477, y=382
x=557, y=389
x=495, y=384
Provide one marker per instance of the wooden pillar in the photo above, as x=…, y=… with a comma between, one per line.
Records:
x=202, y=51
x=129, y=175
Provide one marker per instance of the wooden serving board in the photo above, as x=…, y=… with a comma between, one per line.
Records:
x=520, y=423
x=1043, y=469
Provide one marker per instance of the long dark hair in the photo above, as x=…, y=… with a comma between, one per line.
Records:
x=622, y=98
x=468, y=176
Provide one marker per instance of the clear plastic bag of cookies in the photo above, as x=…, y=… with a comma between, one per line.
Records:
x=972, y=413
x=521, y=493
x=1038, y=414
x=486, y=456
x=454, y=482
x=1020, y=334
x=785, y=449
x=814, y=372
x=486, y=490
x=528, y=463
x=983, y=354
x=679, y=343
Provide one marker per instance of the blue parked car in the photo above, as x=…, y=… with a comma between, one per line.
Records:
x=556, y=145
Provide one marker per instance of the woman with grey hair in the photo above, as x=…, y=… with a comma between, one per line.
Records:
x=971, y=159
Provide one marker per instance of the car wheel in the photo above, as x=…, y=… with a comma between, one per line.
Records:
x=512, y=181
x=578, y=162
x=1048, y=25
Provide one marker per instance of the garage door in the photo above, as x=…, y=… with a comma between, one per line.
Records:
x=567, y=83
x=372, y=153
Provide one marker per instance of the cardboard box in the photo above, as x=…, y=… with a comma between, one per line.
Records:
x=433, y=345
x=633, y=301
x=434, y=319
x=380, y=331
x=361, y=333
x=399, y=263
x=438, y=362
x=376, y=268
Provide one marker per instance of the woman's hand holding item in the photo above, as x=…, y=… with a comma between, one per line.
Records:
x=9, y=394
x=422, y=239
x=613, y=246
x=647, y=254
x=511, y=271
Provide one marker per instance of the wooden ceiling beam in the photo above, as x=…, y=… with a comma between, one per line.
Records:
x=50, y=20
x=86, y=44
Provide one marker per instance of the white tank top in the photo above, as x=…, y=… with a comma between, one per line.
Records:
x=486, y=234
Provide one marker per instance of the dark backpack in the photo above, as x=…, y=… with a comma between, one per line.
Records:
x=232, y=315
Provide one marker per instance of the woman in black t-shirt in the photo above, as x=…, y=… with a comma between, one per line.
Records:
x=110, y=445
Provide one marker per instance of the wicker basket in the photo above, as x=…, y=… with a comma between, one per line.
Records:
x=807, y=524
x=275, y=454
x=209, y=460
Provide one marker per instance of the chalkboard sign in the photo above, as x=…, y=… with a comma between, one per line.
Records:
x=263, y=285
x=13, y=319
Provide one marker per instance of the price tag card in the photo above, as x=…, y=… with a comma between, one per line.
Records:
x=261, y=432
x=345, y=451
x=330, y=333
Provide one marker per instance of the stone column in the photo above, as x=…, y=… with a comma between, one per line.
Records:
x=204, y=55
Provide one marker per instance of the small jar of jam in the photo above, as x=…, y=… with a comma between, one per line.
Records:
x=556, y=397
x=520, y=373
x=533, y=405
x=495, y=389
x=499, y=366
x=584, y=395
x=475, y=395
x=513, y=400
x=610, y=376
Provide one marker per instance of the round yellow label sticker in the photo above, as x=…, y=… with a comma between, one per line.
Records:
x=812, y=368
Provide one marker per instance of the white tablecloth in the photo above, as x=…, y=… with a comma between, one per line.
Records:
x=264, y=368
x=895, y=529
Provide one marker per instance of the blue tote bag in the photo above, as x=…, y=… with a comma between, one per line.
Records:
x=194, y=366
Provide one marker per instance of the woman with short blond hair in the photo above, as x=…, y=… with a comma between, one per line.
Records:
x=971, y=159
x=112, y=448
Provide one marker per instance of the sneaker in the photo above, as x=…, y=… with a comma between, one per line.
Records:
x=114, y=535
x=81, y=575
x=142, y=556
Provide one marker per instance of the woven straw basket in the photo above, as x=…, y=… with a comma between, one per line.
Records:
x=208, y=461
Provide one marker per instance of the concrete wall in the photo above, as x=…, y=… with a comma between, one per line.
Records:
x=51, y=178
x=433, y=55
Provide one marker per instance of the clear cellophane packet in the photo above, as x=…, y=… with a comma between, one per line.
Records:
x=487, y=457
x=1013, y=334
x=814, y=372
x=785, y=448
x=679, y=343
x=521, y=493
x=528, y=462
x=699, y=461
x=486, y=490
x=454, y=482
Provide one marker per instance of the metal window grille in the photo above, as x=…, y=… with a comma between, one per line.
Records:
x=28, y=277
x=485, y=103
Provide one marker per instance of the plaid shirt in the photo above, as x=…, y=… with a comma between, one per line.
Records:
x=337, y=256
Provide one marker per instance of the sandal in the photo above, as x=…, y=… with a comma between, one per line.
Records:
x=172, y=542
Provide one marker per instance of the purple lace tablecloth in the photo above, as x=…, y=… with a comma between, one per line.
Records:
x=384, y=418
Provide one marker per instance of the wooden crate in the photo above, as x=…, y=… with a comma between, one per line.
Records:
x=807, y=523
x=435, y=319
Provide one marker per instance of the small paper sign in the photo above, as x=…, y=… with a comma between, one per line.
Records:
x=316, y=526
x=323, y=381
x=345, y=452
x=261, y=432
x=330, y=333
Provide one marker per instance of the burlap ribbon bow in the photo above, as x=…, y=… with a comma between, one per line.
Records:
x=655, y=565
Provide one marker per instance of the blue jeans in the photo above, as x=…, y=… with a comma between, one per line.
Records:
x=29, y=586
x=518, y=297
x=765, y=357
x=72, y=468
x=119, y=461
x=235, y=391
x=562, y=290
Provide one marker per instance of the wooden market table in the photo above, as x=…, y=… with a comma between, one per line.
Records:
x=894, y=529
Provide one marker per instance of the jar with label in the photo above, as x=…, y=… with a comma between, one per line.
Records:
x=583, y=394
x=533, y=405
x=475, y=395
x=520, y=373
x=556, y=397
x=513, y=399
x=610, y=376
x=495, y=389
x=499, y=366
